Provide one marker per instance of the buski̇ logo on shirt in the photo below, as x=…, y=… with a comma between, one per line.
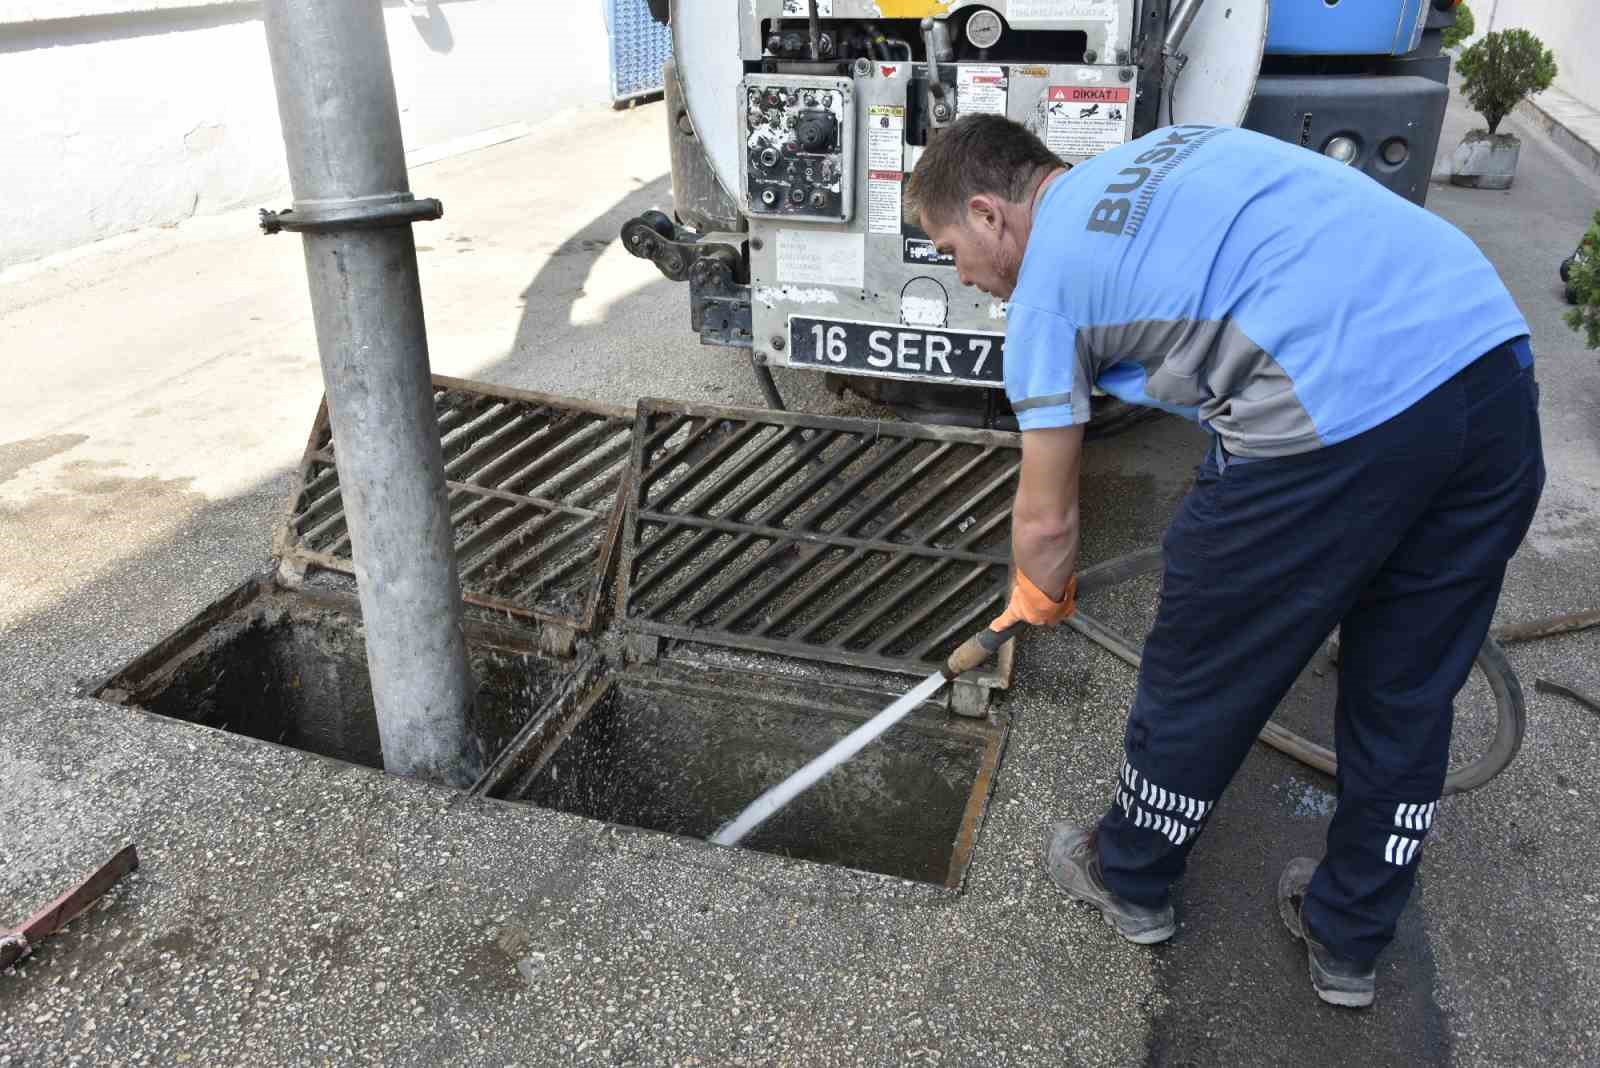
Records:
x=1128, y=199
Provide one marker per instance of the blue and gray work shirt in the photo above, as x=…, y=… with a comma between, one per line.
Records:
x=1282, y=299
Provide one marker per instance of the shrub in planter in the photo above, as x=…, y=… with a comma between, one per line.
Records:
x=1497, y=72
x=1581, y=272
x=1454, y=35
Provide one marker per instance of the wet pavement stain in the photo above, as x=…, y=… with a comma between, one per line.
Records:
x=1305, y=800
x=88, y=518
x=16, y=456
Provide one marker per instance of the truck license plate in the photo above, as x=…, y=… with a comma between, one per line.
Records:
x=896, y=351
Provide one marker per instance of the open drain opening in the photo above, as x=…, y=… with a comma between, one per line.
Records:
x=271, y=666
x=642, y=751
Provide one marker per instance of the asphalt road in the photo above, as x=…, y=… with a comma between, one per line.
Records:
x=290, y=911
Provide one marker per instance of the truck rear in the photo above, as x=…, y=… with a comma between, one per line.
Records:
x=795, y=124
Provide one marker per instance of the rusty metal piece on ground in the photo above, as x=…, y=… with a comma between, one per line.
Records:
x=855, y=542
x=1546, y=628
x=534, y=489
x=18, y=943
x=1546, y=686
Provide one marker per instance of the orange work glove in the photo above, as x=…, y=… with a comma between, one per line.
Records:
x=1030, y=604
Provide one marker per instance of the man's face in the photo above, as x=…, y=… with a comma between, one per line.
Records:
x=982, y=245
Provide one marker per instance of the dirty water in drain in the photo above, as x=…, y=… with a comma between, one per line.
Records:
x=650, y=757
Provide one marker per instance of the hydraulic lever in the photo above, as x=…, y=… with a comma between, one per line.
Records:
x=936, y=41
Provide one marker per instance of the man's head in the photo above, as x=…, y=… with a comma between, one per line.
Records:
x=973, y=193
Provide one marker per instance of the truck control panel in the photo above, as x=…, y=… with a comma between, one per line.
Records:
x=799, y=147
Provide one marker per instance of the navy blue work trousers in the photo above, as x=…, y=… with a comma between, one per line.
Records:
x=1399, y=537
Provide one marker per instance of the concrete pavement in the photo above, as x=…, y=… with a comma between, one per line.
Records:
x=292, y=911
x=1573, y=125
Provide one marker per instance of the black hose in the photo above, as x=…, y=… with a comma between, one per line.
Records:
x=1511, y=712
x=877, y=43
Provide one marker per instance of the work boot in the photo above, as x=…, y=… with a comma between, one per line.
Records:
x=1073, y=862
x=1336, y=981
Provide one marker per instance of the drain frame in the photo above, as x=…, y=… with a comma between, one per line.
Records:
x=807, y=437
x=469, y=453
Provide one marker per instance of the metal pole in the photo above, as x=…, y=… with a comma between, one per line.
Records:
x=354, y=209
x=1181, y=18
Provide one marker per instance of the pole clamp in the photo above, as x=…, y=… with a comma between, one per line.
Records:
x=326, y=216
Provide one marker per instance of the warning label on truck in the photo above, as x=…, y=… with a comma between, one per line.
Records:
x=886, y=137
x=883, y=202
x=886, y=147
x=1055, y=10
x=799, y=9
x=1086, y=119
x=980, y=90
x=818, y=257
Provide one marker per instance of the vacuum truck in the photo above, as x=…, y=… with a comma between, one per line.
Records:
x=795, y=123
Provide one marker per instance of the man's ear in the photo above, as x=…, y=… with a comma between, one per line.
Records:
x=983, y=212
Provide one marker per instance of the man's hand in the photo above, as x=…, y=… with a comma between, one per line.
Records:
x=1030, y=604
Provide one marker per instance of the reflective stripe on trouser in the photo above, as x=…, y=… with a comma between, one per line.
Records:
x=1399, y=537
x=1146, y=804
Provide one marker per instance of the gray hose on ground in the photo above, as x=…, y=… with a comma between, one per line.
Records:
x=1510, y=724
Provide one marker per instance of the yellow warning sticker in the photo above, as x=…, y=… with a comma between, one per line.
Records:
x=912, y=9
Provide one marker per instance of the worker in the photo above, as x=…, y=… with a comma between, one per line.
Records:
x=1374, y=462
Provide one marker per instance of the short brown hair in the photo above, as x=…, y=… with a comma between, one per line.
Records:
x=977, y=154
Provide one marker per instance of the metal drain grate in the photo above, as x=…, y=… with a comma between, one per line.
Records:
x=534, y=484
x=876, y=545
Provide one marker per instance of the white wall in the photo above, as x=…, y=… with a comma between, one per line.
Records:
x=116, y=114
x=1569, y=28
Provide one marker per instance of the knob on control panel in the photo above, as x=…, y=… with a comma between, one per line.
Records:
x=816, y=131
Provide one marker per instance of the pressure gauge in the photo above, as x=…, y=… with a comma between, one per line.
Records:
x=984, y=28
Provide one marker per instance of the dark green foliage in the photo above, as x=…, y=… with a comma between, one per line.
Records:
x=1583, y=286
x=1501, y=69
x=1454, y=35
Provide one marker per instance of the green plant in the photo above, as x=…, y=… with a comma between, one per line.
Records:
x=1501, y=69
x=1583, y=286
x=1454, y=35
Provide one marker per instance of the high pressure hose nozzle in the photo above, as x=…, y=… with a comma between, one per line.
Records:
x=976, y=651
x=1029, y=605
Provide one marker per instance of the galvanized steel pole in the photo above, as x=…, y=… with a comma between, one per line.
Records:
x=354, y=209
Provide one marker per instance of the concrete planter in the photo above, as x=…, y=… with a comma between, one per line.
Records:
x=1485, y=161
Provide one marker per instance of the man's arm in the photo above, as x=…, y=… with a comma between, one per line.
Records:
x=1044, y=520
